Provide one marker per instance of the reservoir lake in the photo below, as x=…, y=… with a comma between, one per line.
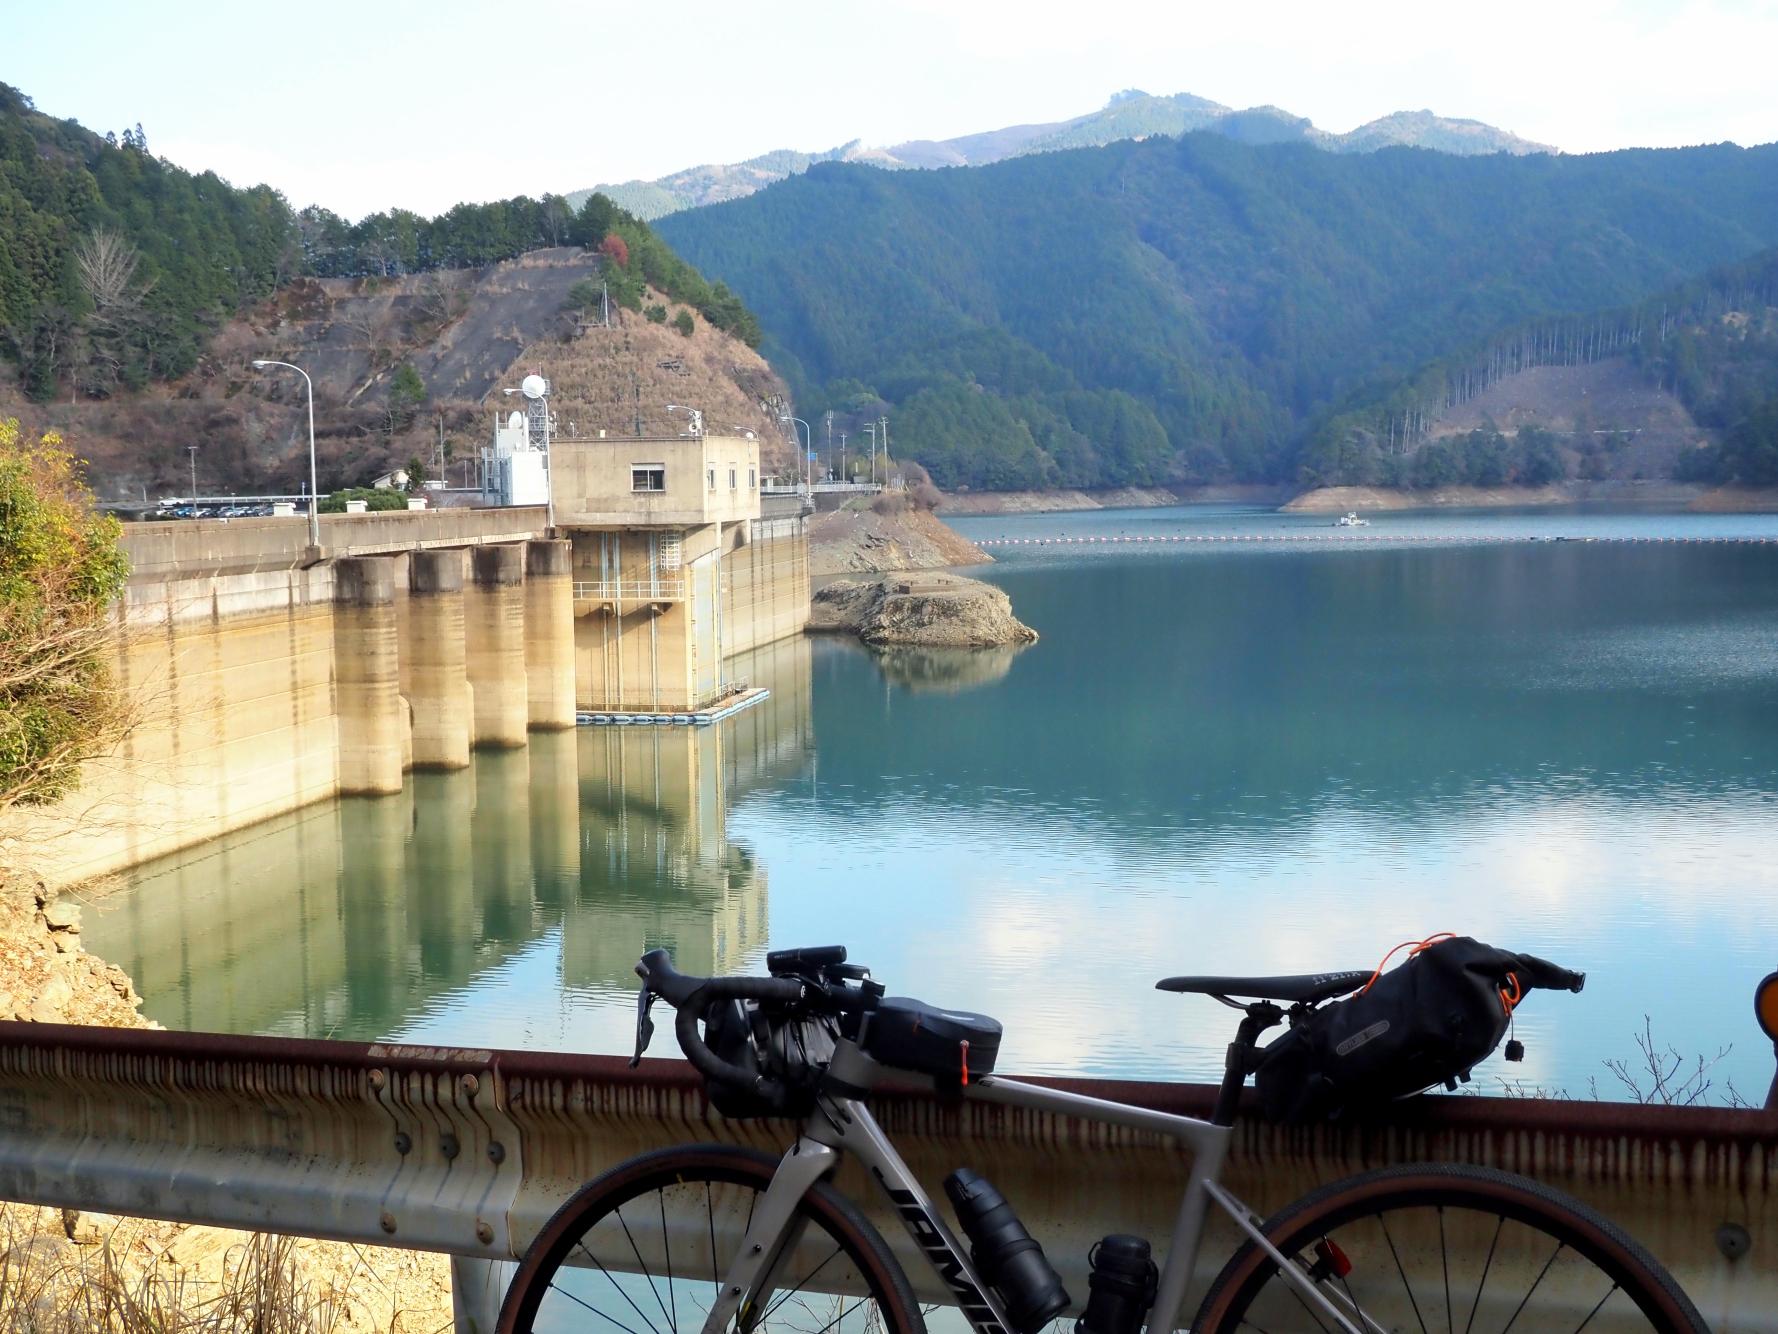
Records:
x=1220, y=757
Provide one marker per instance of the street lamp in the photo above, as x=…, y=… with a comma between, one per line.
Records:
x=808, y=453
x=314, y=490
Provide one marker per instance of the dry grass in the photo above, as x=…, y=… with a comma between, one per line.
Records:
x=49, y=1286
x=134, y=1278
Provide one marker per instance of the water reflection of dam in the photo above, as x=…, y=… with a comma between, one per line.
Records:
x=350, y=917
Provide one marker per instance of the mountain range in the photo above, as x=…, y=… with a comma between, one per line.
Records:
x=1187, y=309
x=1132, y=114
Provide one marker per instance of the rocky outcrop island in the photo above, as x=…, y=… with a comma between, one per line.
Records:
x=930, y=610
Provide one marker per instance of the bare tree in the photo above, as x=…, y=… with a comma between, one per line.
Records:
x=107, y=263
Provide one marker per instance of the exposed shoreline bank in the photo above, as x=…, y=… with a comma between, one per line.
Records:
x=1339, y=499
x=1684, y=496
x=1126, y=497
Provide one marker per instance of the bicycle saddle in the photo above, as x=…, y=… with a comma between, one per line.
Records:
x=1304, y=988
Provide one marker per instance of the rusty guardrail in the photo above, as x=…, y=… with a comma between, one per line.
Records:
x=468, y=1151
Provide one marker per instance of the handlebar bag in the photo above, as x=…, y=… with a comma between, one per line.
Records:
x=952, y=1045
x=1428, y=1022
x=793, y=1052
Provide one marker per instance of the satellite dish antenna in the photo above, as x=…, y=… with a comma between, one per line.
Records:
x=534, y=386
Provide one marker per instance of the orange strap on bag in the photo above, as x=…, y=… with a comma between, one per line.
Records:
x=1418, y=945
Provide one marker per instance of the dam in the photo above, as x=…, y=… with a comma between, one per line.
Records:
x=264, y=674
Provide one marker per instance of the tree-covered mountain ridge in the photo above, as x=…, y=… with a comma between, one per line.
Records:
x=1132, y=114
x=134, y=294
x=1710, y=345
x=1189, y=310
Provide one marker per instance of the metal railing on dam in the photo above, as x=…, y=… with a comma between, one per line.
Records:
x=187, y=548
x=469, y=1151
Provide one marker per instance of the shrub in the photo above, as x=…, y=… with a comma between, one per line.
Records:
x=60, y=568
x=656, y=314
x=683, y=322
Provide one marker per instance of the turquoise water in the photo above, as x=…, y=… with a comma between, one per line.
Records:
x=1218, y=757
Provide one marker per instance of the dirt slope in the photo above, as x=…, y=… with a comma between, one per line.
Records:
x=1576, y=402
x=467, y=333
x=862, y=541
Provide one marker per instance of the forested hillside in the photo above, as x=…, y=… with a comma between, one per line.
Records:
x=117, y=267
x=1712, y=343
x=1188, y=310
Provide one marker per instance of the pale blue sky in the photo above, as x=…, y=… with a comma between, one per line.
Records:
x=362, y=106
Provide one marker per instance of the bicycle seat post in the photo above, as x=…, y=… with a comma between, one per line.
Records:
x=1238, y=1062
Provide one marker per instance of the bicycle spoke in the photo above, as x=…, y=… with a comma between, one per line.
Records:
x=799, y=1287
x=636, y=1250
x=1445, y=1261
x=1301, y=1301
x=846, y=1311
x=618, y=1287
x=1405, y=1285
x=1595, y=1311
x=710, y=1214
x=667, y=1242
x=595, y=1310
x=1486, y=1266
x=1533, y=1288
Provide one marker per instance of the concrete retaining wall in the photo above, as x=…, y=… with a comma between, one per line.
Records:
x=263, y=684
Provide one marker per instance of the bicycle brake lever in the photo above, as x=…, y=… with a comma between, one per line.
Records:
x=644, y=1025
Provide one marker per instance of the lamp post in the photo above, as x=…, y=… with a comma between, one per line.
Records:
x=314, y=490
x=808, y=452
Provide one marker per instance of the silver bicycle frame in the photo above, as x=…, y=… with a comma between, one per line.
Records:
x=844, y=1125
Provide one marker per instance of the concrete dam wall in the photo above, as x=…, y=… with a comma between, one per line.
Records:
x=266, y=676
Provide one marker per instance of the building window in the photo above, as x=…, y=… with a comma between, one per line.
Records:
x=648, y=477
x=712, y=479
x=752, y=480
x=731, y=479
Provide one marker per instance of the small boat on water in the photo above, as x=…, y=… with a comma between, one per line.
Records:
x=1350, y=519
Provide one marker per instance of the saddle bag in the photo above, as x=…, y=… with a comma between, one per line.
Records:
x=1428, y=1022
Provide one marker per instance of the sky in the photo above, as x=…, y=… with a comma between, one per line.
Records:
x=377, y=104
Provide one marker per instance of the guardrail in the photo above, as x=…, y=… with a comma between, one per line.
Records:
x=630, y=590
x=468, y=1151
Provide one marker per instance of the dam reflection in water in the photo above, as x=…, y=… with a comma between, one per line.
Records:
x=535, y=874
x=1271, y=760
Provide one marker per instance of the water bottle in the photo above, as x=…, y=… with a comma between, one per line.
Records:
x=1121, y=1287
x=1008, y=1257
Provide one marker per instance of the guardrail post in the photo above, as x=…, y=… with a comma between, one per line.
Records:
x=477, y=1287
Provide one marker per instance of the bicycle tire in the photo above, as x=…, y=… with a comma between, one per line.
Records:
x=742, y=1174
x=1251, y=1277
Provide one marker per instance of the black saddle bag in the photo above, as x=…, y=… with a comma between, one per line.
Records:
x=1426, y=1023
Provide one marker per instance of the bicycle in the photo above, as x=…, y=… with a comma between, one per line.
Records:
x=722, y=1238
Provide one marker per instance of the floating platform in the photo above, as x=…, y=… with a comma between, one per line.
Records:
x=725, y=708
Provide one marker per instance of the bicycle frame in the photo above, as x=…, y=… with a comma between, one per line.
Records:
x=843, y=1124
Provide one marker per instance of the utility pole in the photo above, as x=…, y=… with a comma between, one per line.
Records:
x=843, y=476
x=192, y=450
x=872, y=428
x=884, y=423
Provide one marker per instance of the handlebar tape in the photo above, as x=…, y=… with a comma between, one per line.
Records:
x=707, y=1062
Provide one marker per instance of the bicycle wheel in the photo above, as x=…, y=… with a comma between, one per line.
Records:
x=1448, y=1249
x=644, y=1249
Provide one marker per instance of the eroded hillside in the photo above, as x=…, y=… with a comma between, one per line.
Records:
x=465, y=335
